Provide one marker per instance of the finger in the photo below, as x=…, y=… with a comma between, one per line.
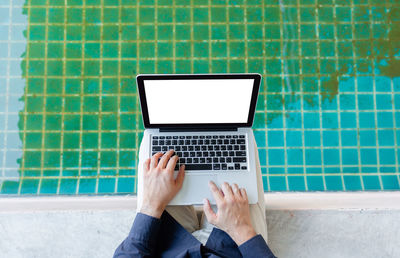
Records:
x=210, y=214
x=216, y=192
x=244, y=193
x=172, y=162
x=154, y=159
x=165, y=158
x=181, y=176
x=236, y=190
x=226, y=188
x=146, y=165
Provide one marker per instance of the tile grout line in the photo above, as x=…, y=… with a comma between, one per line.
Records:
x=137, y=98
x=265, y=86
x=209, y=38
x=100, y=154
x=43, y=131
x=83, y=58
x=282, y=75
x=23, y=159
x=300, y=49
x=118, y=111
x=64, y=79
x=338, y=109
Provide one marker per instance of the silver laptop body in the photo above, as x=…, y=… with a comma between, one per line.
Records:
x=206, y=119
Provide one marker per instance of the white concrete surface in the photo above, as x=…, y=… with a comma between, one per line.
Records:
x=95, y=230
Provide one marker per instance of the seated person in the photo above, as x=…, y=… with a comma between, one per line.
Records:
x=161, y=231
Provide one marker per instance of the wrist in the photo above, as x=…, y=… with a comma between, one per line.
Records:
x=243, y=234
x=153, y=211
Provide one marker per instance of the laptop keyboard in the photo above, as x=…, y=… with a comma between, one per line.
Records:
x=205, y=152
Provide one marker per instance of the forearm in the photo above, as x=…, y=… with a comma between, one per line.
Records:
x=141, y=241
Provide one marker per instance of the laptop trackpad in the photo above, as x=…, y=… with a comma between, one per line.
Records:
x=194, y=190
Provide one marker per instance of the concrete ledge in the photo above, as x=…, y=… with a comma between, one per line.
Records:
x=273, y=201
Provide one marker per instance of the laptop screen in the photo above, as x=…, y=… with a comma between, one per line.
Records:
x=198, y=101
x=191, y=101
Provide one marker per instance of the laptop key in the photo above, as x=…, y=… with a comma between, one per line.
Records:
x=237, y=166
x=216, y=167
x=209, y=160
x=202, y=160
x=186, y=154
x=178, y=148
x=215, y=160
x=231, y=153
x=198, y=167
x=240, y=159
x=162, y=137
x=240, y=141
x=192, y=154
x=155, y=142
x=197, y=148
x=212, y=153
x=244, y=168
x=230, y=168
x=198, y=154
x=241, y=136
x=240, y=153
x=205, y=154
x=168, y=137
x=161, y=142
x=235, y=136
x=181, y=142
x=218, y=153
x=191, y=148
x=195, y=137
x=164, y=148
x=155, y=137
x=236, y=147
x=195, y=160
x=229, y=160
x=222, y=160
x=224, y=166
x=184, y=148
x=181, y=137
x=242, y=147
x=182, y=160
x=175, y=137
x=156, y=148
x=189, y=160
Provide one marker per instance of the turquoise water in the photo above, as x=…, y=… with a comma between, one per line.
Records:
x=326, y=118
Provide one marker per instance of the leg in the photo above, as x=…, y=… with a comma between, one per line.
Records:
x=185, y=215
x=257, y=211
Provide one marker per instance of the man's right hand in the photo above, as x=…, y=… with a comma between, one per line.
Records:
x=233, y=214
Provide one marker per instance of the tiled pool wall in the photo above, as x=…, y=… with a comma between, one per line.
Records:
x=327, y=113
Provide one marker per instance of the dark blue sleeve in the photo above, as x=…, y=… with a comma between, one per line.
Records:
x=142, y=240
x=256, y=247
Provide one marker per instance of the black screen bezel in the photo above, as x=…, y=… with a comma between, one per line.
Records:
x=142, y=96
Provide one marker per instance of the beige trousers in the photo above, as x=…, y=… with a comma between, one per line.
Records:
x=187, y=217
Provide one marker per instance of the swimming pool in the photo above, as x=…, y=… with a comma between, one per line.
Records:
x=326, y=118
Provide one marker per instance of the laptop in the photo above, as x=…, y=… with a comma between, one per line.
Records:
x=207, y=120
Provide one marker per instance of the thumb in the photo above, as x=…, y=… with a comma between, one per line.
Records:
x=210, y=214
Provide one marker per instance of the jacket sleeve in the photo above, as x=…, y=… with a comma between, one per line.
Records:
x=142, y=239
x=256, y=247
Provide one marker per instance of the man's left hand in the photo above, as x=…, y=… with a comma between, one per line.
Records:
x=159, y=184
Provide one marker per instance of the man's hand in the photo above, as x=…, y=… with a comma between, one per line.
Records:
x=233, y=214
x=159, y=184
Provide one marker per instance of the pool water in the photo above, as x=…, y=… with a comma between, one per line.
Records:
x=327, y=113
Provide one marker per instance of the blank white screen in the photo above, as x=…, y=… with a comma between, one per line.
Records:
x=198, y=101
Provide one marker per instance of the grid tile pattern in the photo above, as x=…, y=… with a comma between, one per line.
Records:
x=326, y=118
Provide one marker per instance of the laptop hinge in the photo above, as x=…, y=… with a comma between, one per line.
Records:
x=198, y=129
